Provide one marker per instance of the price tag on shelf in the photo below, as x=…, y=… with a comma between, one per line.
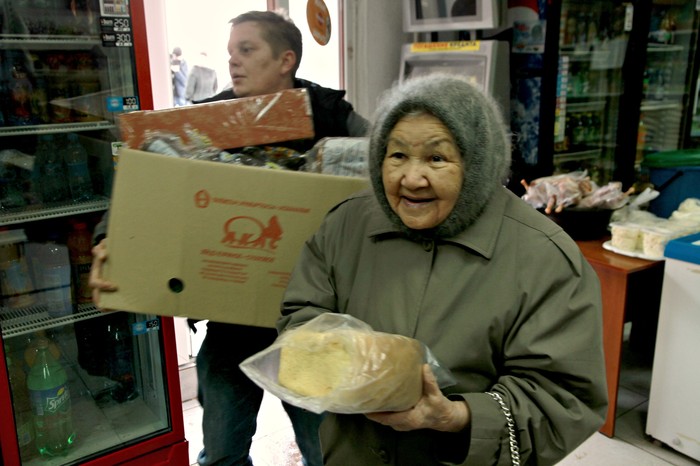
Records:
x=122, y=104
x=139, y=328
x=629, y=17
x=117, y=39
x=108, y=24
x=130, y=103
x=114, y=7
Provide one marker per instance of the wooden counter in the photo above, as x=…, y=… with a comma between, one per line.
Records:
x=631, y=290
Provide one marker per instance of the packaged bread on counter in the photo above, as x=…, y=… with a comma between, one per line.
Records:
x=337, y=363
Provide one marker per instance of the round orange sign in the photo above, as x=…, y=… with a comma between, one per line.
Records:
x=319, y=21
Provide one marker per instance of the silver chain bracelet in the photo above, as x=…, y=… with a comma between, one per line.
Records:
x=513, y=440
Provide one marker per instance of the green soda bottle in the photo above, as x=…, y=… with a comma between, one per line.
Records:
x=53, y=423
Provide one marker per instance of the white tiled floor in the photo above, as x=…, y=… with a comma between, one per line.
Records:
x=273, y=444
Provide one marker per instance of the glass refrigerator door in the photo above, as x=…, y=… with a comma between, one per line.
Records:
x=592, y=47
x=665, y=116
x=66, y=71
x=114, y=382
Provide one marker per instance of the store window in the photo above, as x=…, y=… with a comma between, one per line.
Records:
x=320, y=63
x=206, y=29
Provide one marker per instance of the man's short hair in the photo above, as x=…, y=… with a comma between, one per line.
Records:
x=278, y=30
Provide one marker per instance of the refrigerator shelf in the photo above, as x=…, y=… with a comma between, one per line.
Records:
x=55, y=210
x=587, y=106
x=65, y=42
x=664, y=48
x=55, y=128
x=648, y=105
x=579, y=155
x=21, y=321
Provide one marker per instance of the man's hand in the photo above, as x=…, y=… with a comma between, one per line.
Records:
x=433, y=411
x=98, y=285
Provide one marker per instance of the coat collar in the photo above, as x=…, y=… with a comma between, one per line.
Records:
x=480, y=237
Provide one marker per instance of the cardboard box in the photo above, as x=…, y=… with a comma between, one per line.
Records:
x=249, y=121
x=211, y=240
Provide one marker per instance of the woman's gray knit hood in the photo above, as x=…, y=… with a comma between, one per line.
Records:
x=477, y=125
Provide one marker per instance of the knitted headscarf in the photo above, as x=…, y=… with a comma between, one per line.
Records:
x=476, y=123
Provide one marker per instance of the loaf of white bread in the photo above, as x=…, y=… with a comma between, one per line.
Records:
x=353, y=371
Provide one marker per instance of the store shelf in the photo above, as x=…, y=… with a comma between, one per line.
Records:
x=8, y=217
x=55, y=128
x=579, y=155
x=65, y=42
x=588, y=106
x=25, y=320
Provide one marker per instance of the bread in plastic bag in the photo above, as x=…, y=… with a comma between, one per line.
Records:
x=337, y=363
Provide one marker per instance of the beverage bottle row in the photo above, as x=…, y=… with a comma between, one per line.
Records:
x=40, y=387
x=583, y=131
x=66, y=18
x=42, y=90
x=51, y=403
x=61, y=171
x=585, y=27
x=46, y=273
x=40, y=398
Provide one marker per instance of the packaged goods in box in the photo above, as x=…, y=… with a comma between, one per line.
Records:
x=249, y=121
x=676, y=175
x=211, y=240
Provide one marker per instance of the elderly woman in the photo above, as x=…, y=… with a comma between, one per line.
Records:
x=443, y=253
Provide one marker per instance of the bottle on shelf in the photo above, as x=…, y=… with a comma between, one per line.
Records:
x=21, y=90
x=50, y=170
x=80, y=250
x=32, y=349
x=21, y=406
x=641, y=141
x=76, y=160
x=53, y=272
x=51, y=404
x=578, y=132
x=11, y=179
x=15, y=280
x=121, y=358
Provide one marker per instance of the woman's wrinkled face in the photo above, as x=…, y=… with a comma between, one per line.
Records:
x=422, y=171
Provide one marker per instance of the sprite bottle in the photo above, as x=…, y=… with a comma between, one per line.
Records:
x=50, y=398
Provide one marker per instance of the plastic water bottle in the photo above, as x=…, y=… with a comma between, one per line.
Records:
x=51, y=172
x=80, y=251
x=54, y=278
x=15, y=281
x=50, y=398
x=76, y=160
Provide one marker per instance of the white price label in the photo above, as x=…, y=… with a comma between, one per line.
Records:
x=629, y=17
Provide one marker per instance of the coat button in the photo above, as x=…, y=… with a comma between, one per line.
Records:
x=428, y=246
x=383, y=455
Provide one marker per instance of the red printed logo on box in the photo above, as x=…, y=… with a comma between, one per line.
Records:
x=250, y=233
x=202, y=199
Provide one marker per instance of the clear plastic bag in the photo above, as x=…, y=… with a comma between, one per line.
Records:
x=337, y=363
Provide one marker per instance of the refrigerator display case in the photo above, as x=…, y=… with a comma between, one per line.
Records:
x=593, y=40
x=669, y=84
x=609, y=85
x=68, y=68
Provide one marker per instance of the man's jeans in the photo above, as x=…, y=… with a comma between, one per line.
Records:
x=231, y=402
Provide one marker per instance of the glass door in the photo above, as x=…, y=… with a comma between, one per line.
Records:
x=66, y=71
x=81, y=384
x=593, y=40
x=109, y=371
x=667, y=114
